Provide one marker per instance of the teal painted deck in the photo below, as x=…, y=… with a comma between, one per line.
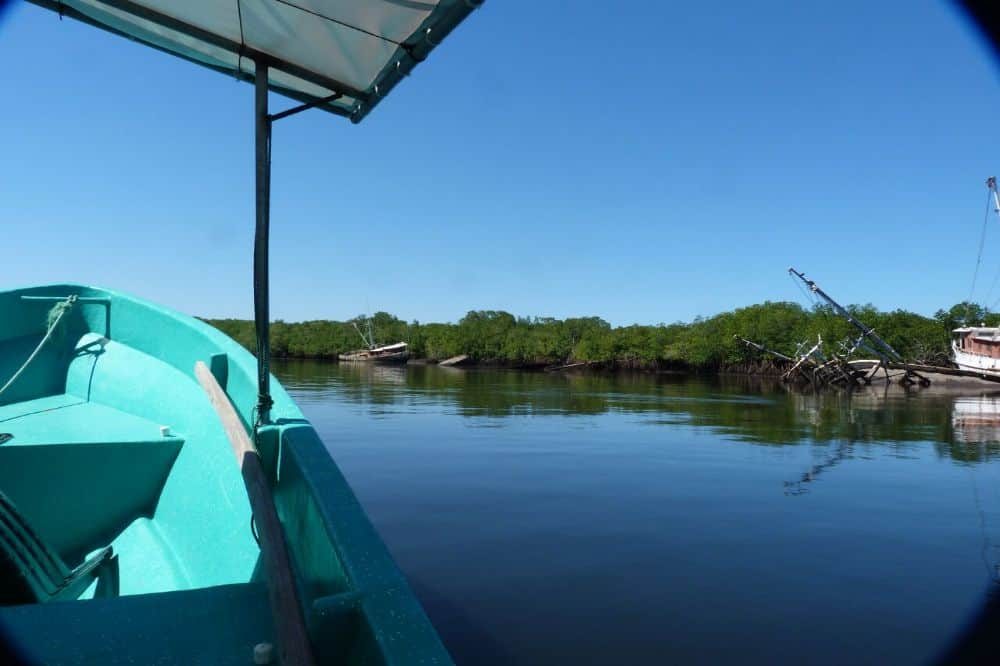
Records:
x=69, y=418
x=88, y=466
x=168, y=627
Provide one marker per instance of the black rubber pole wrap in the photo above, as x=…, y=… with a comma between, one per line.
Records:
x=261, y=240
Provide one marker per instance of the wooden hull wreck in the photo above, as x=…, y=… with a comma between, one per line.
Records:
x=388, y=355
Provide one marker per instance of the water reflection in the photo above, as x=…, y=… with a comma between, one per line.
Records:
x=961, y=426
x=976, y=419
x=670, y=519
x=841, y=452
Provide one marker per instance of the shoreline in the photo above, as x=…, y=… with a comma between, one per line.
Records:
x=766, y=371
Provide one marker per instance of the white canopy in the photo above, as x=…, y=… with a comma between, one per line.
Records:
x=347, y=53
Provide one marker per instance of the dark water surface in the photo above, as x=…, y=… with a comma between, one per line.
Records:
x=621, y=519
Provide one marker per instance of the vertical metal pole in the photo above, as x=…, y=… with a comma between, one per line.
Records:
x=991, y=183
x=261, y=304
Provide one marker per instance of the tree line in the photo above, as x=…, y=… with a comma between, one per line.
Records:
x=706, y=343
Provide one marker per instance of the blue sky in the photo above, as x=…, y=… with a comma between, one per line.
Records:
x=647, y=165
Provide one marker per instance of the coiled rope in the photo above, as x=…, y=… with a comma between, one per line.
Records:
x=55, y=316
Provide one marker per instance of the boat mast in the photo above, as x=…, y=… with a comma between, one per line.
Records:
x=867, y=332
x=761, y=348
x=991, y=184
x=363, y=338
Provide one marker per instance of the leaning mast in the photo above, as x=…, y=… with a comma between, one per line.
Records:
x=884, y=348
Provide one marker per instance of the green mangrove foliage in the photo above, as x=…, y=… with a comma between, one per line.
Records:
x=491, y=336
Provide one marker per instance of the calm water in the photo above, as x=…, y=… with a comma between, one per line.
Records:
x=561, y=519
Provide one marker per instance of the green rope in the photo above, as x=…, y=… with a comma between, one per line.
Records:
x=52, y=320
x=57, y=312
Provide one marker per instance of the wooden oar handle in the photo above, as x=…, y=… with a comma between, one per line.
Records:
x=289, y=621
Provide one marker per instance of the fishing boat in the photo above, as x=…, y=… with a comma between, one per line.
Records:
x=374, y=352
x=125, y=527
x=397, y=353
x=977, y=348
x=162, y=498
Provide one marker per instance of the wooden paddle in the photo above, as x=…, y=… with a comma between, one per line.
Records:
x=293, y=640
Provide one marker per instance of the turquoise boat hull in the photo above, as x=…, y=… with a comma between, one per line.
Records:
x=112, y=442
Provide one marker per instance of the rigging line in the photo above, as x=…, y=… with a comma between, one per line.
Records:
x=979, y=257
x=992, y=569
x=996, y=278
x=810, y=298
x=996, y=303
x=338, y=22
x=996, y=281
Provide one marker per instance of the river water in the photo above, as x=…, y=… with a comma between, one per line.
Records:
x=655, y=518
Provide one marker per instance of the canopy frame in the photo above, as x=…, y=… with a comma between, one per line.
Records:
x=410, y=51
x=441, y=20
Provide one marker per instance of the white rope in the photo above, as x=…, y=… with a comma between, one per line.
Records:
x=62, y=308
x=979, y=256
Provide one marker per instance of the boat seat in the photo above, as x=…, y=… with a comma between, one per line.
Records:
x=214, y=625
x=60, y=446
x=70, y=419
x=32, y=572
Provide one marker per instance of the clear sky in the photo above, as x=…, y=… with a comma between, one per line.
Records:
x=645, y=165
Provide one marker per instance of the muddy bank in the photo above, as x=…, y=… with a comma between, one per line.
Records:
x=763, y=369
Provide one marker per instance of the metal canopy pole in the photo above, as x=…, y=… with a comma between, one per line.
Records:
x=261, y=301
x=261, y=305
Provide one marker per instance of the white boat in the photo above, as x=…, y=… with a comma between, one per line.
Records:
x=375, y=353
x=976, y=348
x=397, y=353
